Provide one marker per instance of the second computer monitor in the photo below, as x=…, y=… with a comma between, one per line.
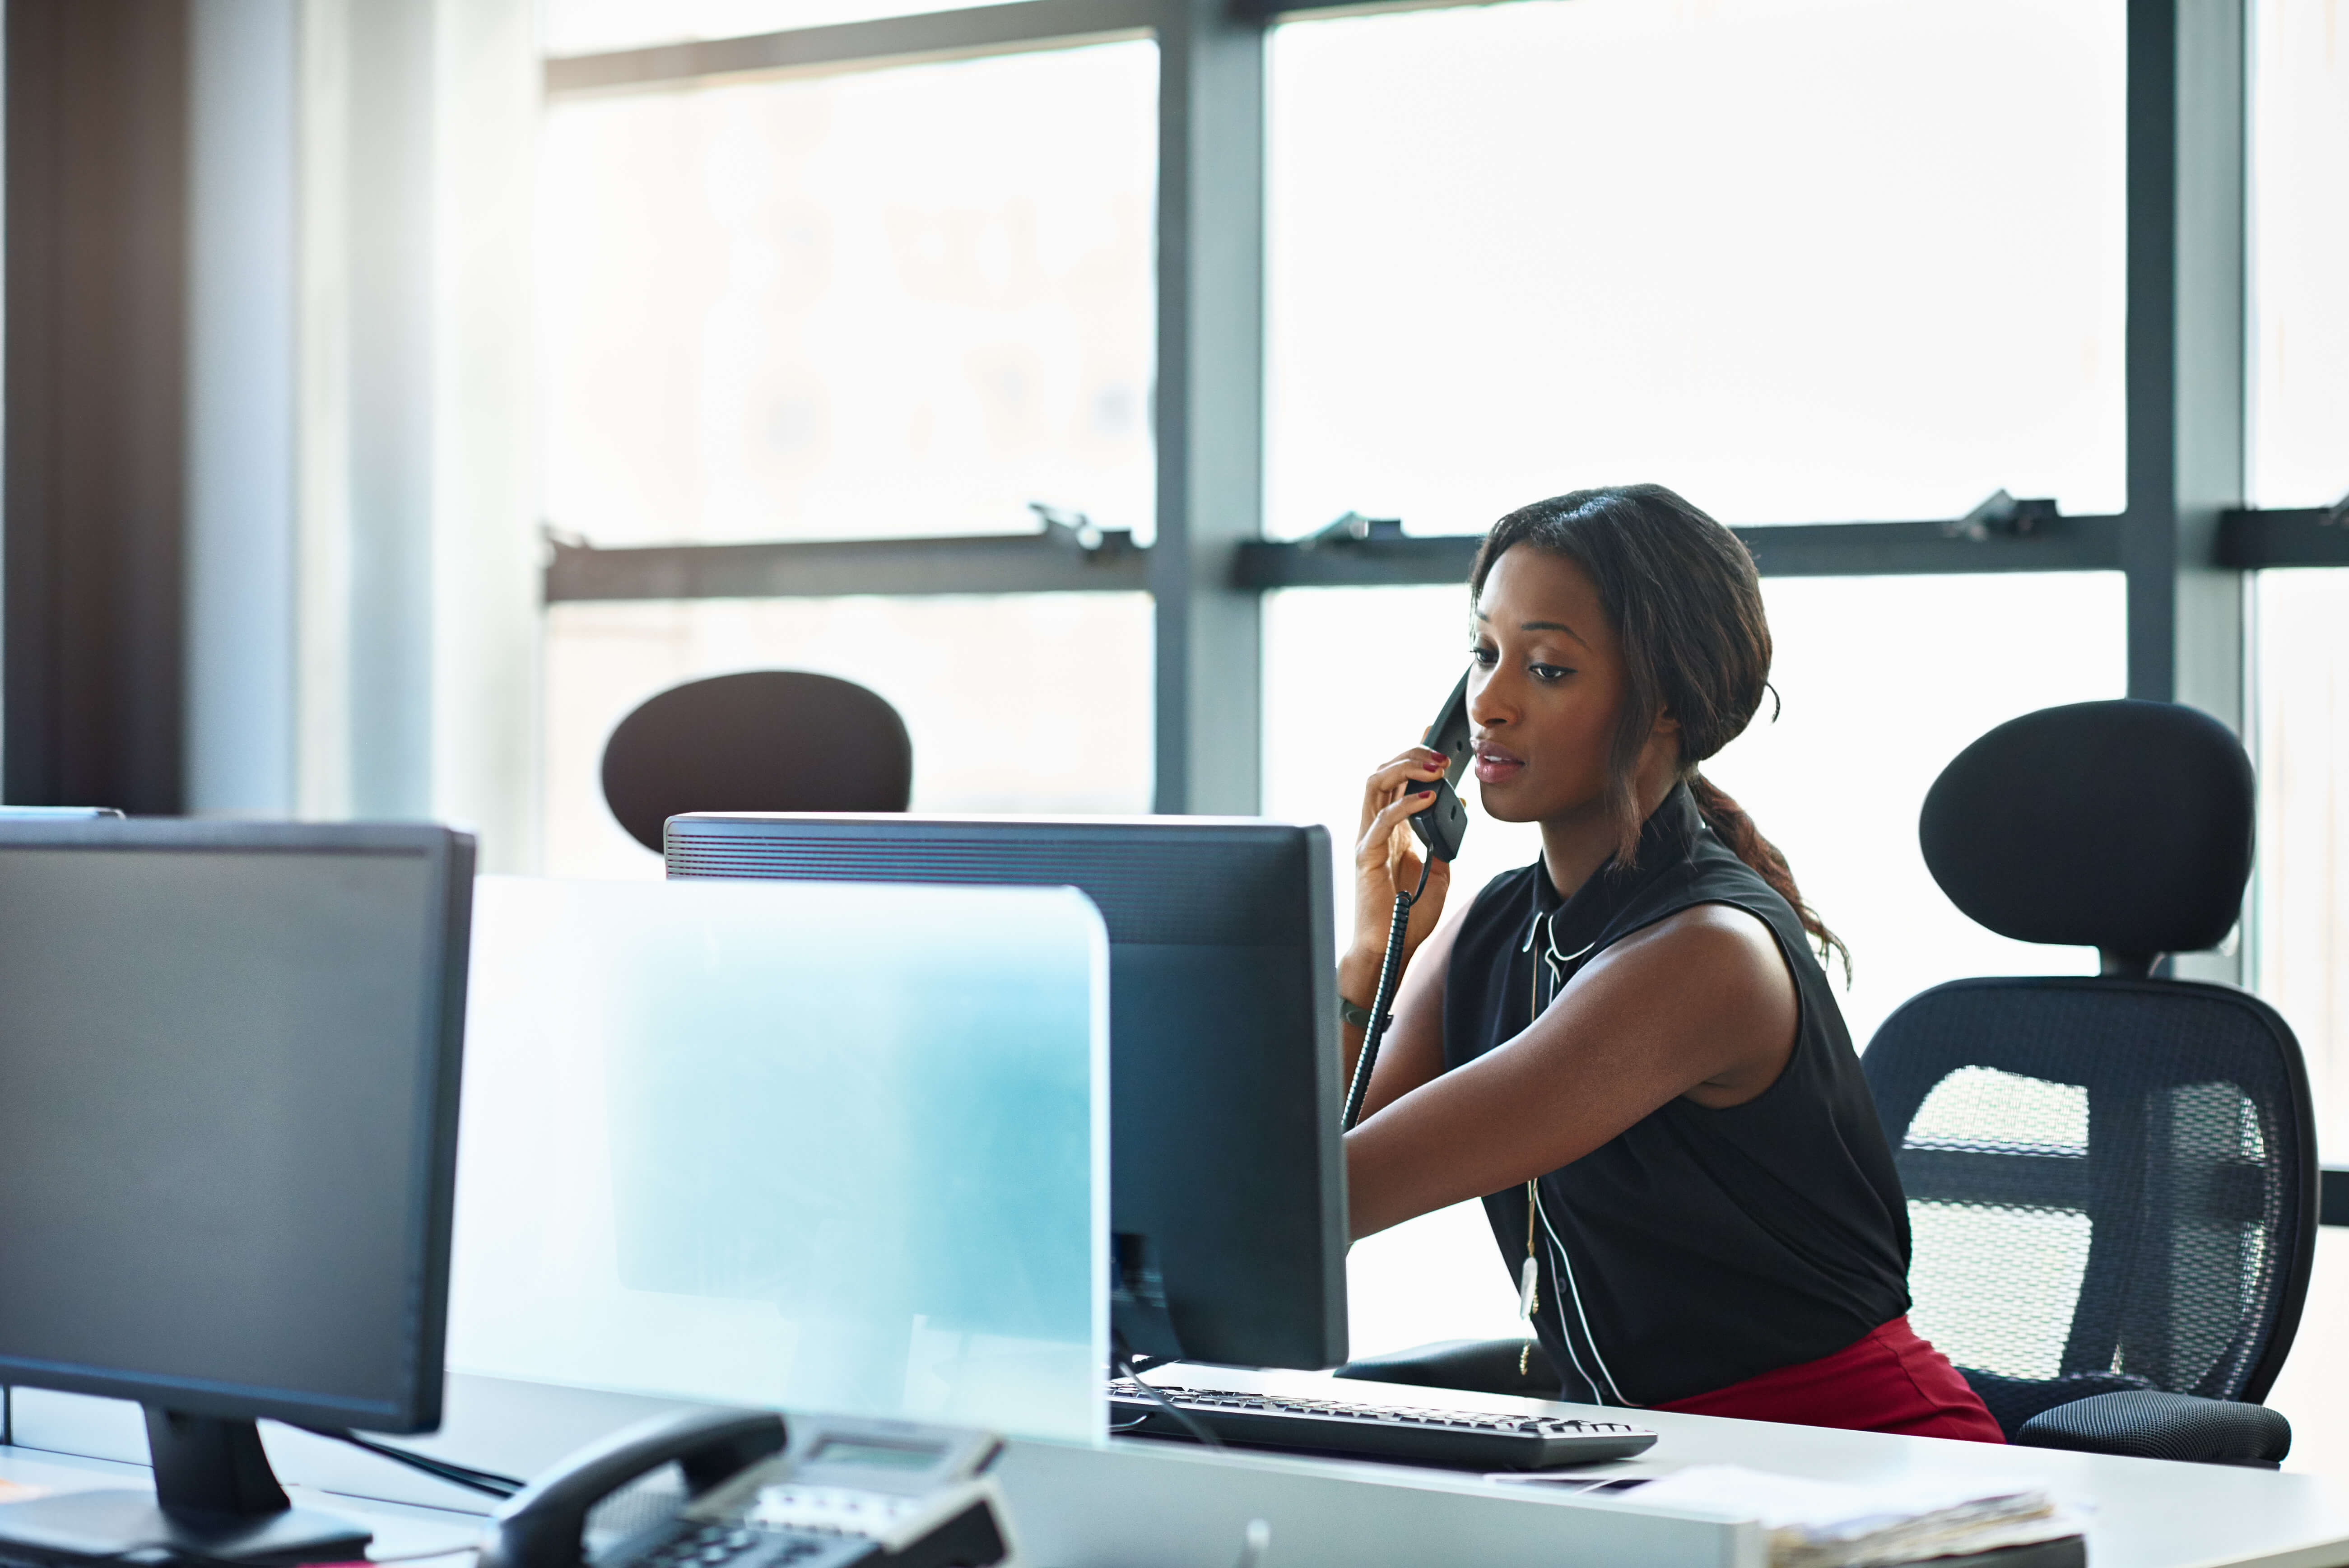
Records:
x=229, y=1065
x=1223, y=1093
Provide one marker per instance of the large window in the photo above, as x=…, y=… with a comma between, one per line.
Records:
x=2301, y=925
x=2298, y=457
x=1802, y=261
x=2300, y=235
x=2300, y=936
x=893, y=303
x=899, y=302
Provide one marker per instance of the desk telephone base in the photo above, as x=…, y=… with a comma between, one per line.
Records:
x=827, y=1493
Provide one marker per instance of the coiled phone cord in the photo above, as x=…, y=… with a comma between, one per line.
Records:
x=1390, y=969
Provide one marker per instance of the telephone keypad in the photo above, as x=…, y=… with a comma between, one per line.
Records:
x=829, y=1510
x=737, y=1546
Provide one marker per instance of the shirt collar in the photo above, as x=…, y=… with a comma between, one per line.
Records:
x=1665, y=840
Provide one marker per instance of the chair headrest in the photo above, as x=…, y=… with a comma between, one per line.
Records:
x=2125, y=826
x=763, y=739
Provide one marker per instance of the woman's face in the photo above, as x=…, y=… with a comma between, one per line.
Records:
x=1547, y=691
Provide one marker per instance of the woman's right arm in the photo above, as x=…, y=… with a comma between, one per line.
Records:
x=1386, y=856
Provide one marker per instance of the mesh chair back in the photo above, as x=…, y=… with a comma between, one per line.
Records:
x=2111, y=1184
x=763, y=739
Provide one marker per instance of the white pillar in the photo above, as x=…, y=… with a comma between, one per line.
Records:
x=239, y=710
x=418, y=592
x=485, y=543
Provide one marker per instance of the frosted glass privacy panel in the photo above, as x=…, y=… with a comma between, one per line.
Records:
x=814, y=1146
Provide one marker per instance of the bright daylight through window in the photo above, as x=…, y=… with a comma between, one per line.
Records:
x=901, y=303
x=1801, y=261
x=2300, y=457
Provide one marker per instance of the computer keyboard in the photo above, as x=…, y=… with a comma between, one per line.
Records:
x=1454, y=1438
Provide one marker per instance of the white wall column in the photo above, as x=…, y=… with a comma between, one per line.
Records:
x=486, y=552
x=418, y=591
x=238, y=713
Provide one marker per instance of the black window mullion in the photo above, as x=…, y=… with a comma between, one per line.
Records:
x=1209, y=408
x=2186, y=349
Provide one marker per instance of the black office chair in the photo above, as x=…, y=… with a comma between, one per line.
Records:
x=765, y=740
x=2111, y=1180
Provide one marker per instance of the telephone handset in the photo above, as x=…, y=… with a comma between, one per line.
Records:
x=1442, y=825
x=825, y=1492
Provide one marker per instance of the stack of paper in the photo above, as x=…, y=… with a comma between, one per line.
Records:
x=1869, y=1524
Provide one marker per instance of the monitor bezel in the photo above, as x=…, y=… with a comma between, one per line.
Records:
x=449, y=855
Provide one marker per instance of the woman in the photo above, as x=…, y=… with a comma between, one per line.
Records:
x=1629, y=1048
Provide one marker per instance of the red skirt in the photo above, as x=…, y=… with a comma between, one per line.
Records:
x=1890, y=1381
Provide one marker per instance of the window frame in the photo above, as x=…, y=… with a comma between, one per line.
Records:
x=2185, y=540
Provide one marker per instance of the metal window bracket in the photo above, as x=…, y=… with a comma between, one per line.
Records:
x=2002, y=514
x=1078, y=530
x=1353, y=528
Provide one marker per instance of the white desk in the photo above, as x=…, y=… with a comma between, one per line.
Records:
x=2148, y=1513
x=402, y=1530
x=1156, y=1505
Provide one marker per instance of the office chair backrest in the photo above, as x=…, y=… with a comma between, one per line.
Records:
x=2111, y=1180
x=765, y=740
x=2123, y=826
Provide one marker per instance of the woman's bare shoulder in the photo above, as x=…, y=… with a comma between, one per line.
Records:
x=1716, y=973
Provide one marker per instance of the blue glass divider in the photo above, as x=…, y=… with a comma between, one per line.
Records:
x=817, y=1146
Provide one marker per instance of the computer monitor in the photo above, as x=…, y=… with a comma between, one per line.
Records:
x=1225, y=1153
x=229, y=1058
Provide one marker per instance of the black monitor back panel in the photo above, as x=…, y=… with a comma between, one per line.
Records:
x=1224, y=1098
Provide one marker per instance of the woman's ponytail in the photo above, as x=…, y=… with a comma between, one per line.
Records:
x=1734, y=828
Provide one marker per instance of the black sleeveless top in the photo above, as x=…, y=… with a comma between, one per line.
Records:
x=1698, y=1247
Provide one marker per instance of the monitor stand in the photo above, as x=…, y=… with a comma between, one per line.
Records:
x=214, y=1497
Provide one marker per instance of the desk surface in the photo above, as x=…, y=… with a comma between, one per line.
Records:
x=1140, y=1504
x=2143, y=1513
x=427, y=1537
